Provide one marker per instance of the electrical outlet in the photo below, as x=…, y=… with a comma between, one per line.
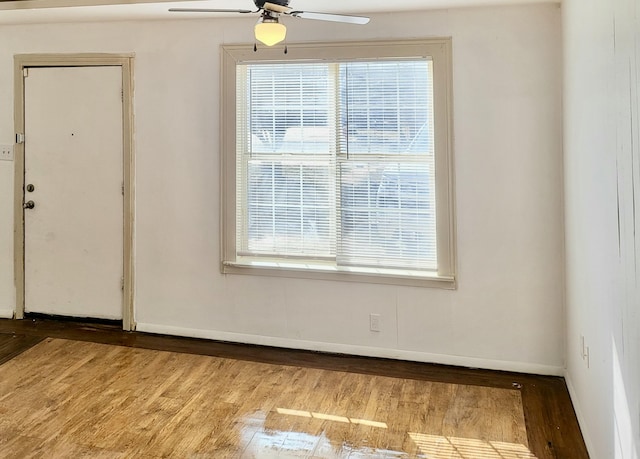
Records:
x=586, y=357
x=584, y=351
x=6, y=152
x=374, y=322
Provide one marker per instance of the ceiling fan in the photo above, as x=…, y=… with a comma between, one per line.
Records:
x=269, y=30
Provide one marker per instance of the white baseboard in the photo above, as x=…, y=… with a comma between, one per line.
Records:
x=579, y=413
x=473, y=362
x=6, y=313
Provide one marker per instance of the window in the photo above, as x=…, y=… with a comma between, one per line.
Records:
x=336, y=162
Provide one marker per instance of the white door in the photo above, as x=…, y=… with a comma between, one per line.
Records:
x=73, y=160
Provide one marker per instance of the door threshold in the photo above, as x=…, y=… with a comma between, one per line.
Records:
x=37, y=316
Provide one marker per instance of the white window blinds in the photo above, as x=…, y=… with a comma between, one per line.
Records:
x=335, y=163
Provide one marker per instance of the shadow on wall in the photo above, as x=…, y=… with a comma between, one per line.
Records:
x=622, y=418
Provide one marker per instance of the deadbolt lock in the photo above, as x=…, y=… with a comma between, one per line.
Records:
x=30, y=188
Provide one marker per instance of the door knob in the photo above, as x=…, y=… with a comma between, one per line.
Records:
x=29, y=205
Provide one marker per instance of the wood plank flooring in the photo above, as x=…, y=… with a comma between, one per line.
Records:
x=70, y=389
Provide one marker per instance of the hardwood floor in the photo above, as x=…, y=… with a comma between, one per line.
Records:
x=72, y=389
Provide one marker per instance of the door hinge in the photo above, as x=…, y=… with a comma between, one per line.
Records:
x=25, y=72
x=122, y=188
x=122, y=284
x=19, y=138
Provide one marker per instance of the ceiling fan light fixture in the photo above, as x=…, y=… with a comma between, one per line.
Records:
x=269, y=31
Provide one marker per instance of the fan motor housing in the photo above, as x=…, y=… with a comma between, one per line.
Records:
x=260, y=3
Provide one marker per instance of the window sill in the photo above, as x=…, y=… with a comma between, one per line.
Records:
x=344, y=274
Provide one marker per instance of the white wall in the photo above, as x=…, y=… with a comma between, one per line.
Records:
x=508, y=310
x=602, y=176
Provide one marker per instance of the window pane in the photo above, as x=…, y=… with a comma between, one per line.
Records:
x=288, y=108
x=387, y=214
x=289, y=208
x=386, y=107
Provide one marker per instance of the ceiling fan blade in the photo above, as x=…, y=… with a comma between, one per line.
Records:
x=207, y=10
x=330, y=17
x=276, y=8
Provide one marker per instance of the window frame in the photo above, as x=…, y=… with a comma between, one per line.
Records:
x=437, y=49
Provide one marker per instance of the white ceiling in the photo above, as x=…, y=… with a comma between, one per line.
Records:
x=45, y=11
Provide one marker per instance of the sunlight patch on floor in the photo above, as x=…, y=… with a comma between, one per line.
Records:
x=440, y=447
x=332, y=417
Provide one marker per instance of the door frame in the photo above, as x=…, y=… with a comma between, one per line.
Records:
x=125, y=62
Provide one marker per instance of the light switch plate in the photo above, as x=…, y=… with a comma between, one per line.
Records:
x=6, y=152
